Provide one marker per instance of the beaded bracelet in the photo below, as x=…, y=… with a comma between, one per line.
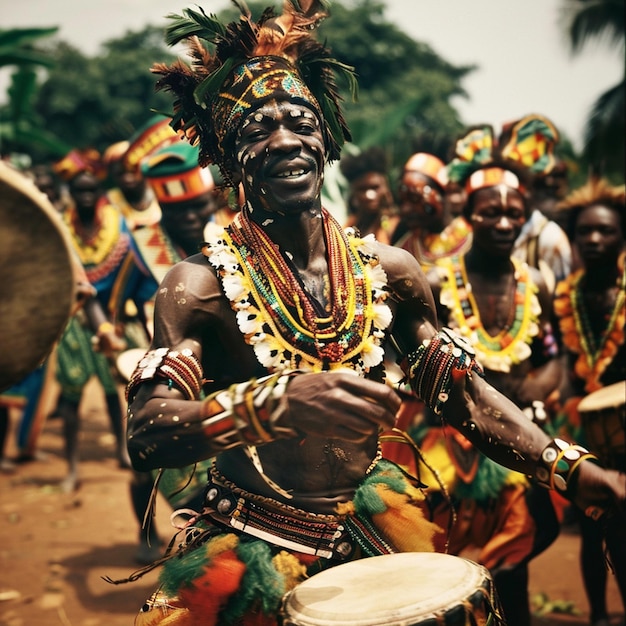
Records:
x=559, y=461
x=178, y=367
x=253, y=403
x=436, y=364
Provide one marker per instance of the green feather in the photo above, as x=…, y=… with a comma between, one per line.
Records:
x=261, y=586
x=212, y=83
x=193, y=23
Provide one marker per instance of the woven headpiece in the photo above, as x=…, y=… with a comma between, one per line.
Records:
x=114, y=153
x=525, y=147
x=242, y=65
x=424, y=164
x=155, y=133
x=78, y=161
x=174, y=175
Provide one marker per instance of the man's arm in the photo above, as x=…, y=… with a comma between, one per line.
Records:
x=441, y=370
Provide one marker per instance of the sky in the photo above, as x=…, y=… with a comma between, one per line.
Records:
x=524, y=62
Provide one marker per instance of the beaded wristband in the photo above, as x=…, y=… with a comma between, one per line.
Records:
x=436, y=364
x=558, y=463
x=179, y=368
x=253, y=403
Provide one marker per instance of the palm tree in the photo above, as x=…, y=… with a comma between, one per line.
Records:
x=19, y=127
x=604, y=131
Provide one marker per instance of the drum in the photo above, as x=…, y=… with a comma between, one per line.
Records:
x=36, y=274
x=407, y=589
x=603, y=417
x=128, y=360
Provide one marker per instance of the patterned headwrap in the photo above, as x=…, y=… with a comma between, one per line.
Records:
x=427, y=165
x=154, y=134
x=525, y=147
x=244, y=65
x=78, y=161
x=174, y=175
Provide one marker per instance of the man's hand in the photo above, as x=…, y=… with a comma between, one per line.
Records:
x=107, y=341
x=339, y=405
x=599, y=490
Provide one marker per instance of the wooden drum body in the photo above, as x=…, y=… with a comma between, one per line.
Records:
x=603, y=417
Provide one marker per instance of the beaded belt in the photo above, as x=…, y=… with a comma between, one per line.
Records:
x=282, y=525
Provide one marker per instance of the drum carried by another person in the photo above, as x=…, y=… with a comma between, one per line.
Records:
x=406, y=589
x=37, y=274
x=603, y=418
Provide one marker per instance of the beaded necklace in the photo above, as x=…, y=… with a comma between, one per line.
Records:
x=101, y=253
x=511, y=345
x=279, y=319
x=595, y=353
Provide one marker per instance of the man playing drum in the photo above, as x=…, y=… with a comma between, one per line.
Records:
x=268, y=349
x=592, y=314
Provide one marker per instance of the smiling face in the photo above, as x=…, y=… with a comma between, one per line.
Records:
x=497, y=215
x=280, y=155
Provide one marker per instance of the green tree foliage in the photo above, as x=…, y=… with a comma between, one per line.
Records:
x=96, y=101
x=16, y=46
x=20, y=127
x=405, y=88
x=601, y=20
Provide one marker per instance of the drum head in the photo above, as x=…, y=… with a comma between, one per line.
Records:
x=35, y=274
x=127, y=362
x=609, y=397
x=393, y=589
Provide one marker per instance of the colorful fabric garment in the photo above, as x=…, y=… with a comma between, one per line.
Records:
x=454, y=239
x=102, y=255
x=77, y=362
x=543, y=242
x=33, y=396
x=134, y=218
x=227, y=577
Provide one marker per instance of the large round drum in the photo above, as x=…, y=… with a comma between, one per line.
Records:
x=408, y=589
x=36, y=276
x=603, y=417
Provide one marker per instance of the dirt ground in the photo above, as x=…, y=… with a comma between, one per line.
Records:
x=55, y=548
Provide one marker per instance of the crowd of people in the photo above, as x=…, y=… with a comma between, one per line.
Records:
x=472, y=305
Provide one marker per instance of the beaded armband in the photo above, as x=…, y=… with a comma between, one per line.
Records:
x=179, y=368
x=437, y=364
x=559, y=462
x=245, y=411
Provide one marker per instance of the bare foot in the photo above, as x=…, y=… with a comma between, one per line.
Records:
x=70, y=483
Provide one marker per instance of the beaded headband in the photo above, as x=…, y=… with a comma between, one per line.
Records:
x=251, y=85
x=425, y=164
x=493, y=177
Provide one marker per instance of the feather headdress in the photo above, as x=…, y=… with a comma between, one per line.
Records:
x=236, y=67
